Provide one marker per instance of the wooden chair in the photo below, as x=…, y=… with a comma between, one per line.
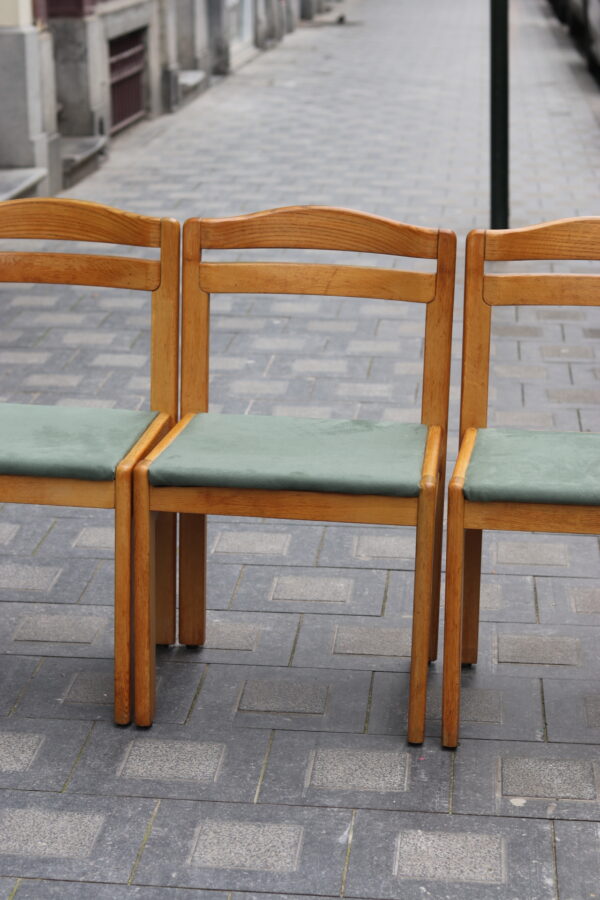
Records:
x=65, y=456
x=511, y=479
x=325, y=470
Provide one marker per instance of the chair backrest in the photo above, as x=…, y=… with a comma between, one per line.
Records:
x=565, y=239
x=51, y=219
x=318, y=228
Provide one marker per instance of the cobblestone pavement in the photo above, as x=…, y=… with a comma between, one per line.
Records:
x=278, y=762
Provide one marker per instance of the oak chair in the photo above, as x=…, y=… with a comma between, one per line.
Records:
x=293, y=468
x=511, y=479
x=84, y=457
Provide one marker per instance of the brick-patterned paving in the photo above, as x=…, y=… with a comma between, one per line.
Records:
x=278, y=763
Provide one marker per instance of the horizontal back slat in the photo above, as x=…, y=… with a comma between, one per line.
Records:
x=327, y=280
x=319, y=228
x=563, y=239
x=74, y=268
x=542, y=290
x=76, y=220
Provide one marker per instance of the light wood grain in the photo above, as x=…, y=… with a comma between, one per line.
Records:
x=577, y=239
x=563, y=239
x=315, y=278
x=80, y=268
x=320, y=228
x=51, y=219
x=304, y=505
x=316, y=228
x=541, y=290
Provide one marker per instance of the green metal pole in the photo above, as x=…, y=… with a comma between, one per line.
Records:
x=499, y=114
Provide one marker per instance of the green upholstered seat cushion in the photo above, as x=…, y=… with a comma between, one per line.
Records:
x=282, y=453
x=67, y=442
x=534, y=467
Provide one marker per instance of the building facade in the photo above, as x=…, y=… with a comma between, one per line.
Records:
x=76, y=72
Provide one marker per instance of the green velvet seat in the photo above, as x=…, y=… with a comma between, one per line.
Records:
x=534, y=467
x=282, y=453
x=67, y=442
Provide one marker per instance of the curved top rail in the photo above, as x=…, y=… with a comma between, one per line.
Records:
x=51, y=218
x=562, y=239
x=318, y=228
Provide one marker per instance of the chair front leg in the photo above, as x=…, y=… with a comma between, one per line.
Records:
x=123, y=595
x=422, y=613
x=455, y=546
x=192, y=579
x=145, y=616
x=471, y=592
x=437, y=565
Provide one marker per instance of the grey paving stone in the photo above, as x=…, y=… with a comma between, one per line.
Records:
x=544, y=651
x=271, y=543
x=564, y=779
x=48, y=890
x=15, y=672
x=7, y=532
x=17, y=751
x=72, y=838
x=60, y=629
x=93, y=536
x=323, y=589
x=572, y=710
x=231, y=636
x=577, y=853
x=525, y=553
x=404, y=854
x=25, y=832
x=288, y=697
x=311, y=590
x=568, y=601
x=83, y=689
x=370, y=770
x=174, y=759
x=437, y=856
x=361, y=644
x=214, y=763
x=87, y=536
x=241, y=637
x=372, y=641
x=251, y=542
x=7, y=888
x=27, y=577
x=368, y=547
x=550, y=781
x=304, y=699
x=355, y=771
x=492, y=707
x=244, y=847
x=523, y=419
x=540, y=649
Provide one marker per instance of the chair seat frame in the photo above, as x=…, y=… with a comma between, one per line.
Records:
x=570, y=239
x=75, y=221
x=306, y=227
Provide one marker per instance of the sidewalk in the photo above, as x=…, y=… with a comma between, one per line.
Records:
x=285, y=735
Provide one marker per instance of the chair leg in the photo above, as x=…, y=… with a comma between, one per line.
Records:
x=437, y=567
x=145, y=618
x=192, y=579
x=471, y=590
x=165, y=570
x=453, y=617
x=123, y=595
x=421, y=630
